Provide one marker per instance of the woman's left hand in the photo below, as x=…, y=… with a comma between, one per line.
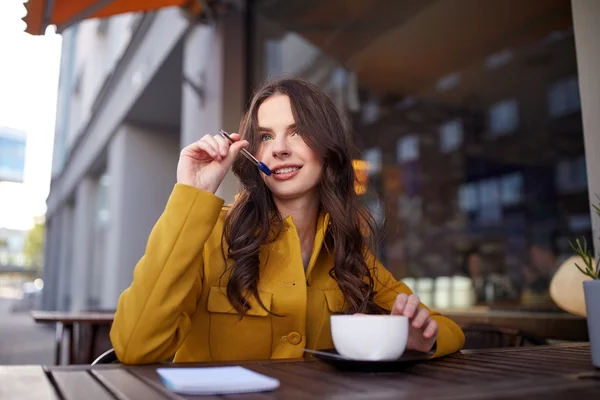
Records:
x=422, y=331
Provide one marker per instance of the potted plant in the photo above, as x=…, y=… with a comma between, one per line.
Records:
x=591, y=289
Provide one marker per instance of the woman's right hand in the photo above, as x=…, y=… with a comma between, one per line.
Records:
x=203, y=164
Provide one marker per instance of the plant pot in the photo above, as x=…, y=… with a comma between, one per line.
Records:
x=591, y=290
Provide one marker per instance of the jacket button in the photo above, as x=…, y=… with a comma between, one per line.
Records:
x=294, y=338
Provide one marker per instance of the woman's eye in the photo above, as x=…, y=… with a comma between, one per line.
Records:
x=266, y=137
x=295, y=133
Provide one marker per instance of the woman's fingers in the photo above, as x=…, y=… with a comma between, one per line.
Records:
x=223, y=145
x=205, y=146
x=212, y=141
x=406, y=305
x=431, y=329
x=217, y=146
x=420, y=319
x=235, y=136
x=236, y=147
x=412, y=305
x=399, y=304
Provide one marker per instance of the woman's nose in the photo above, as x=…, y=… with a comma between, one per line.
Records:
x=281, y=148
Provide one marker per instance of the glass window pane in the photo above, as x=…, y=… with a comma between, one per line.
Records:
x=451, y=135
x=408, y=149
x=504, y=117
x=433, y=99
x=512, y=188
x=373, y=159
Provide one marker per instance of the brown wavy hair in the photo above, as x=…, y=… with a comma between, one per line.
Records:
x=253, y=219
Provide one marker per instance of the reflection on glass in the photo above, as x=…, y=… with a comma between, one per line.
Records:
x=563, y=97
x=468, y=114
x=451, y=136
x=407, y=148
x=504, y=117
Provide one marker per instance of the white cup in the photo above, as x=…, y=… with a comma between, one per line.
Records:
x=369, y=337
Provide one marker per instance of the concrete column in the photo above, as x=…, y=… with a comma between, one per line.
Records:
x=142, y=171
x=85, y=200
x=50, y=269
x=586, y=14
x=65, y=249
x=214, y=59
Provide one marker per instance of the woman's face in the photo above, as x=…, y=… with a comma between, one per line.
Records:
x=296, y=168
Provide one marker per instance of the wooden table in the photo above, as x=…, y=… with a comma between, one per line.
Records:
x=69, y=321
x=541, y=372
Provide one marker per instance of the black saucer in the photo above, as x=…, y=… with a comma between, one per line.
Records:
x=407, y=359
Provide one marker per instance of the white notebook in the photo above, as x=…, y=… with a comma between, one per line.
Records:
x=215, y=380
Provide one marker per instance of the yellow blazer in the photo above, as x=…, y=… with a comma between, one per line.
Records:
x=177, y=304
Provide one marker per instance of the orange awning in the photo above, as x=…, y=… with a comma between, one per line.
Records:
x=63, y=13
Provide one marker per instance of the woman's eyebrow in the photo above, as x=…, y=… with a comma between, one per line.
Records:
x=269, y=130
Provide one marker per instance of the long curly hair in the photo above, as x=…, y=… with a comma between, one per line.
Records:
x=253, y=219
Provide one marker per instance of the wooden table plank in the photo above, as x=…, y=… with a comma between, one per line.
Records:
x=79, y=384
x=583, y=346
x=125, y=385
x=547, y=389
x=148, y=375
x=514, y=365
x=539, y=363
x=25, y=382
x=553, y=360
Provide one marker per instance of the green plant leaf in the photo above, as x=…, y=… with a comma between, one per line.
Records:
x=582, y=251
x=591, y=270
x=579, y=268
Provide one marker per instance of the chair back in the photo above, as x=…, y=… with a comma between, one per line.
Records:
x=108, y=357
x=487, y=337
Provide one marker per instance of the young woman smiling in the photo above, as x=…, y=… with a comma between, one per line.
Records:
x=260, y=278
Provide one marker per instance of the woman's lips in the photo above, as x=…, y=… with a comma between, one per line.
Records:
x=286, y=175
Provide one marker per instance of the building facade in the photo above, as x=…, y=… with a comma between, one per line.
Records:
x=476, y=119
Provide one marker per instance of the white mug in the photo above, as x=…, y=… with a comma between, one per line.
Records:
x=369, y=337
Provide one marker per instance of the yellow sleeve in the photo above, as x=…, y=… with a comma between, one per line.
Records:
x=450, y=337
x=153, y=315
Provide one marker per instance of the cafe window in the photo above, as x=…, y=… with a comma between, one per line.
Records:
x=468, y=197
x=571, y=175
x=273, y=65
x=511, y=189
x=407, y=148
x=490, y=209
x=431, y=97
x=370, y=112
x=373, y=158
x=451, y=135
x=563, y=97
x=504, y=117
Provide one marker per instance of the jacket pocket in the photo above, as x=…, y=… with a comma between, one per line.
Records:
x=219, y=303
x=336, y=301
x=232, y=338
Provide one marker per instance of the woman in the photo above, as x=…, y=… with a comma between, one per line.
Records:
x=260, y=279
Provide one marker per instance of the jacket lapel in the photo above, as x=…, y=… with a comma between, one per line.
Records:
x=322, y=225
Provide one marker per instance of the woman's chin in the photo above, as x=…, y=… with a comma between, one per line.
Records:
x=289, y=194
